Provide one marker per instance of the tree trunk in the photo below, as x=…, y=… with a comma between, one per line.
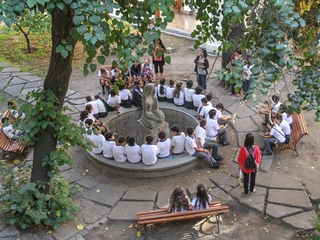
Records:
x=56, y=80
x=236, y=31
x=26, y=36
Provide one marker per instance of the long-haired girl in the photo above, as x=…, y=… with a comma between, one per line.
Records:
x=178, y=201
x=202, y=199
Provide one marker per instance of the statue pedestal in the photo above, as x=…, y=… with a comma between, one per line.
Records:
x=142, y=131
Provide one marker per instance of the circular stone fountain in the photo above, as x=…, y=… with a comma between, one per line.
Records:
x=128, y=125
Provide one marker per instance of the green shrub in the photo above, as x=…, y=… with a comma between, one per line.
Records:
x=25, y=206
x=316, y=223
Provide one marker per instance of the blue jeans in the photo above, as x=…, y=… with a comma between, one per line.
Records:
x=203, y=80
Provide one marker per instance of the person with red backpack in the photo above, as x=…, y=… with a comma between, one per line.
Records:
x=249, y=161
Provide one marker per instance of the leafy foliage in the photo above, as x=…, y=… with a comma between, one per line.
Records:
x=277, y=38
x=25, y=206
x=316, y=224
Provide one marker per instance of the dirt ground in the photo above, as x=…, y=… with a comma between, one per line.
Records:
x=248, y=224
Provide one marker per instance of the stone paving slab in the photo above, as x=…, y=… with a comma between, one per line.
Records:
x=106, y=194
x=193, y=188
x=258, y=121
x=3, y=64
x=72, y=175
x=278, y=181
x=218, y=194
x=257, y=139
x=245, y=125
x=242, y=110
x=301, y=221
x=77, y=95
x=224, y=181
x=314, y=192
x=163, y=198
x=87, y=183
x=140, y=196
x=4, y=82
x=278, y=211
x=17, y=80
x=34, y=84
x=32, y=78
x=291, y=198
x=92, y=212
x=129, y=210
x=232, y=169
x=17, y=74
x=10, y=231
x=256, y=200
x=266, y=164
x=263, y=179
x=71, y=109
x=236, y=156
x=10, y=69
x=66, y=231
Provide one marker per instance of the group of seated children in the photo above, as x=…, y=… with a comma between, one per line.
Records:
x=8, y=128
x=179, y=201
x=279, y=124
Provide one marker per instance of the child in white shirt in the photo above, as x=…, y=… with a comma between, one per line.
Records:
x=149, y=151
x=178, y=140
x=163, y=145
x=133, y=150
x=119, y=151
x=108, y=145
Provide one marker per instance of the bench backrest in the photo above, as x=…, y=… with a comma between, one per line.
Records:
x=299, y=128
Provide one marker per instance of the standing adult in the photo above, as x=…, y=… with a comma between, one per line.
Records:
x=249, y=148
x=158, y=57
x=201, y=69
x=246, y=77
x=137, y=94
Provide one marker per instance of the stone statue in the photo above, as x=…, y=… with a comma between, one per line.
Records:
x=151, y=115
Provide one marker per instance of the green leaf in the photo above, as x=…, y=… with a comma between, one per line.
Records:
x=227, y=11
x=278, y=4
x=236, y=10
x=243, y=6
x=95, y=19
x=93, y=67
x=280, y=47
x=78, y=19
x=265, y=84
x=60, y=5
x=101, y=59
x=265, y=51
x=82, y=29
x=263, y=91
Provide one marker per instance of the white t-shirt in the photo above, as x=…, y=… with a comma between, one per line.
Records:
x=101, y=107
x=9, y=131
x=179, y=101
x=247, y=69
x=285, y=127
x=133, y=153
x=98, y=141
x=200, y=132
x=276, y=107
x=205, y=110
x=164, y=91
x=15, y=113
x=197, y=205
x=125, y=94
x=196, y=98
x=112, y=101
x=178, y=141
x=190, y=145
x=277, y=134
x=149, y=154
x=218, y=114
x=188, y=93
x=169, y=92
x=164, y=148
x=107, y=148
x=119, y=153
x=287, y=117
x=94, y=105
x=212, y=127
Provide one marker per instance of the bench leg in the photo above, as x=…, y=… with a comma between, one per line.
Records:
x=293, y=149
x=218, y=222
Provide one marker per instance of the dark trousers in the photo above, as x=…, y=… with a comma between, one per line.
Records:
x=158, y=65
x=246, y=181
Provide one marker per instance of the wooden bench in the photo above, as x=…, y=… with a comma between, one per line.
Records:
x=8, y=145
x=161, y=215
x=299, y=129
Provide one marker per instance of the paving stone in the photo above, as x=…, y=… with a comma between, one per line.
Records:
x=3, y=64
x=34, y=84
x=4, y=82
x=257, y=139
x=93, y=212
x=266, y=164
x=10, y=70
x=314, y=192
x=163, y=198
x=140, y=196
x=255, y=201
x=87, y=183
x=96, y=225
x=71, y=109
x=64, y=167
x=10, y=231
x=128, y=210
x=193, y=188
x=245, y=125
x=30, y=154
x=89, y=227
x=106, y=194
x=279, y=181
x=291, y=198
x=32, y=78
x=72, y=175
x=258, y=121
x=218, y=194
x=224, y=181
x=236, y=156
x=17, y=80
x=301, y=221
x=242, y=110
x=14, y=90
x=77, y=102
x=70, y=92
x=278, y=211
x=66, y=231
x=103, y=220
x=79, y=237
x=232, y=169
x=17, y=74
x=77, y=95
x=263, y=179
